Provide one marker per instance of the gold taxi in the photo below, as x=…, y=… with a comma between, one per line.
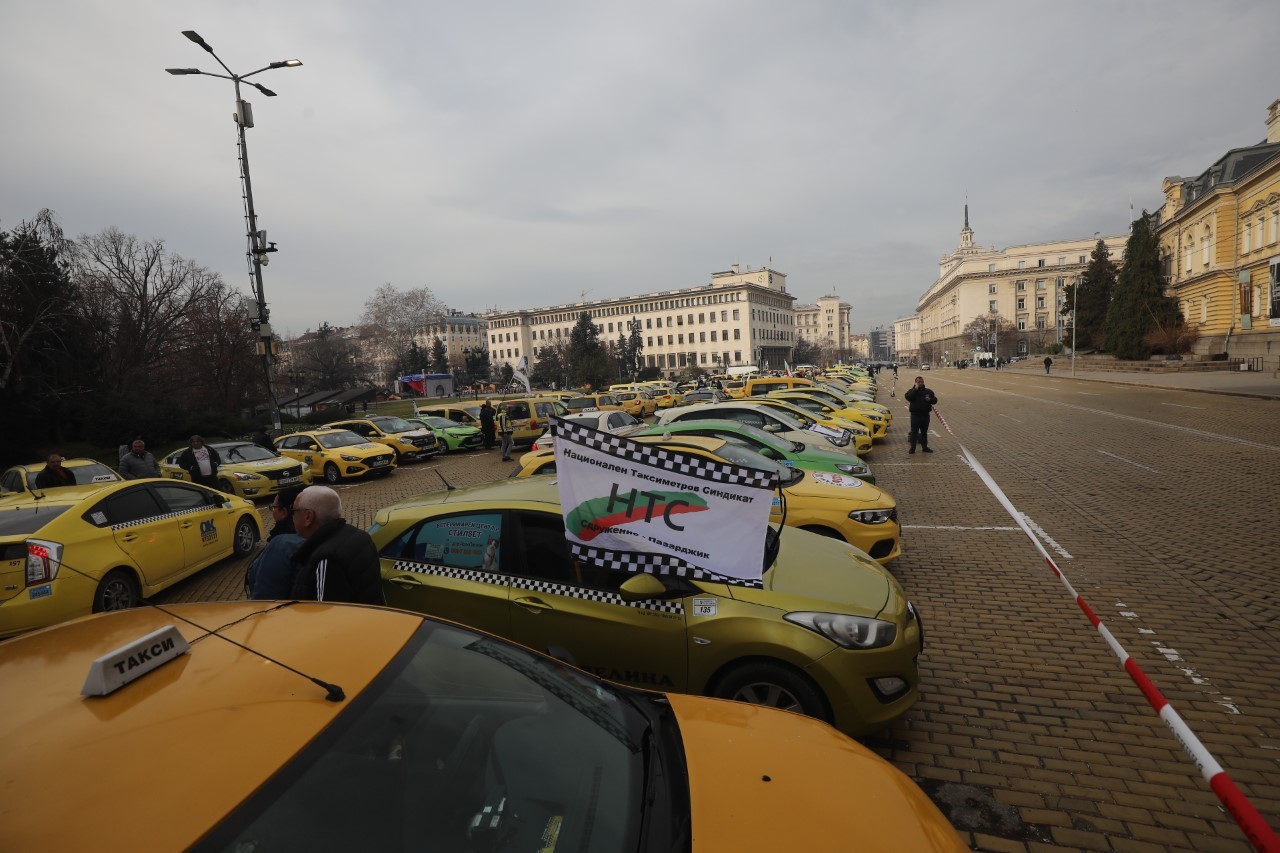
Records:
x=103, y=546
x=336, y=454
x=638, y=404
x=873, y=422
x=592, y=403
x=21, y=479
x=247, y=470
x=409, y=441
x=829, y=503
x=424, y=735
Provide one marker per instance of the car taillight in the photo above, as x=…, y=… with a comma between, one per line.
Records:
x=43, y=560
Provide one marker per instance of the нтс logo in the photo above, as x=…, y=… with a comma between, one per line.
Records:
x=595, y=516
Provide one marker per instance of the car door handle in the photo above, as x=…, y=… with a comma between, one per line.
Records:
x=532, y=604
x=407, y=581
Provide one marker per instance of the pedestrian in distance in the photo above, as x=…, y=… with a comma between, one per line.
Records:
x=138, y=462
x=488, y=426
x=337, y=562
x=1048, y=362
x=200, y=462
x=506, y=432
x=262, y=438
x=920, y=402
x=54, y=475
x=270, y=575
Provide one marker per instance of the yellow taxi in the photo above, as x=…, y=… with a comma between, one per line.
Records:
x=103, y=546
x=734, y=389
x=873, y=422
x=247, y=470
x=592, y=403
x=336, y=454
x=849, y=399
x=409, y=441
x=636, y=403
x=664, y=398
x=861, y=436
x=241, y=726
x=21, y=479
x=829, y=503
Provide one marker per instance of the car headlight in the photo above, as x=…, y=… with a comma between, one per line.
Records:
x=872, y=516
x=346, y=458
x=852, y=468
x=846, y=631
x=237, y=475
x=875, y=418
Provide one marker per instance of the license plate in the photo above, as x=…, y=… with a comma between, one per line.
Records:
x=289, y=481
x=378, y=463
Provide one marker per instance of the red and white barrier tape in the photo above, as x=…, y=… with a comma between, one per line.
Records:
x=1260, y=835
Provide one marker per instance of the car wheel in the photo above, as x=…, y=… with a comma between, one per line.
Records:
x=225, y=486
x=117, y=591
x=774, y=685
x=331, y=473
x=246, y=536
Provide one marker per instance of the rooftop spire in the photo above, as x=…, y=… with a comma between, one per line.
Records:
x=966, y=216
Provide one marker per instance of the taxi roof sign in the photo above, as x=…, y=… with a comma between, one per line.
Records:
x=133, y=660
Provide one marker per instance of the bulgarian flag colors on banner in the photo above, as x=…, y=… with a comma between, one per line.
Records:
x=636, y=507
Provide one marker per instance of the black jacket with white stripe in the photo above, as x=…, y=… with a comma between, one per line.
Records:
x=338, y=563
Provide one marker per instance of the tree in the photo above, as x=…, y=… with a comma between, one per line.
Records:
x=330, y=359
x=987, y=330
x=399, y=317
x=231, y=375
x=1096, y=284
x=550, y=369
x=588, y=361
x=439, y=356
x=807, y=352
x=411, y=361
x=635, y=347
x=475, y=365
x=1138, y=305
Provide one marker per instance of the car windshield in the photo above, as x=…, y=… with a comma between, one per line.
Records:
x=243, y=453
x=341, y=438
x=28, y=519
x=740, y=454
x=389, y=424
x=468, y=743
x=440, y=423
x=94, y=472
x=581, y=403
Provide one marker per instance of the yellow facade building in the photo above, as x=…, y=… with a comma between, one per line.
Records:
x=1219, y=238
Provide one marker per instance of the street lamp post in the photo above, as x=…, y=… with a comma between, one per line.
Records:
x=1074, y=291
x=258, y=248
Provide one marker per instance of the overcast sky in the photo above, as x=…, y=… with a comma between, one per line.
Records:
x=519, y=154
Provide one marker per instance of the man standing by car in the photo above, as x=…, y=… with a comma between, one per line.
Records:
x=337, y=562
x=487, y=425
x=200, y=462
x=920, y=402
x=506, y=432
x=54, y=474
x=138, y=462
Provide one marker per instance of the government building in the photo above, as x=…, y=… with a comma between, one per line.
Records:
x=743, y=317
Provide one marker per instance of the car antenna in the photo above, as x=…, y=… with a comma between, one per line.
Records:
x=448, y=486
x=333, y=693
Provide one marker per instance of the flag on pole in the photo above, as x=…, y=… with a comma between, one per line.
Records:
x=787, y=366
x=635, y=507
x=520, y=373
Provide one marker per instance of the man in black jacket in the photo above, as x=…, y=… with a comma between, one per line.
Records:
x=54, y=474
x=338, y=562
x=920, y=401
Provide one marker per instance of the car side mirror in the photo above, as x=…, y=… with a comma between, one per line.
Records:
x=642, y=587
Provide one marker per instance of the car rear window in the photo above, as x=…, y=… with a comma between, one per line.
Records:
x=24, y=520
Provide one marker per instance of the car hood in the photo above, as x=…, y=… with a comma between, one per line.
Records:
x=815, y=572
x=829, y=485
x=749, y=765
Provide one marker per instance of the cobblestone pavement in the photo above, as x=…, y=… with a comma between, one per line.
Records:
x=1158, y=505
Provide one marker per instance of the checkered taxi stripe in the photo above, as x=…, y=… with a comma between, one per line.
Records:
x=150, y=518
x=671, y=461
x=654, y=564
x=534, y=585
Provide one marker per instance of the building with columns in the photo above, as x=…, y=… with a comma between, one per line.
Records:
x=744, y=316
x=1219, y=238
x=906, y=339
x=824, y=324
x=1019, y=291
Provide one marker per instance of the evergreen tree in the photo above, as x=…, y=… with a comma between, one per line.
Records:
x=1138, y=306
x=588, y=361
x=439, y=356
x=635, y=347
x=550, y=369
x=1096, y=284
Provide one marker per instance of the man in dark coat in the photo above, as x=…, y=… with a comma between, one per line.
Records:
x=338, y=562
x=488, y=424
x=920, y=402
x=200, y=462
x=54, y=474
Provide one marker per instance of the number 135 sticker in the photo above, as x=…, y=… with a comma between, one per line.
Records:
x=704, y=607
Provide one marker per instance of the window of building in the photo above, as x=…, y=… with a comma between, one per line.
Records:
x=991, y=267
x=1186, y=260
x=1040, y=322
x=724, y=316
x=680, y=338
x=679, y=319
x=1022, y=265
x=991, y=288
x=1022, y=324
x=737, y=356
x=1040, y=262
x=737, y=334
x=702, y=337
x=648, y=323
x=991, y=306
x=690, y=319
x=704, y=358
x=1040, y=283
x=1082, y=259
x=1246, y=237
x=702, y=318
x=1039, y=301
x=735, y=314
x=713, y=337
x=670, y=340
x=1022, y=285
x=1022, y=303
x=650, y=342
x=1062, y=262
